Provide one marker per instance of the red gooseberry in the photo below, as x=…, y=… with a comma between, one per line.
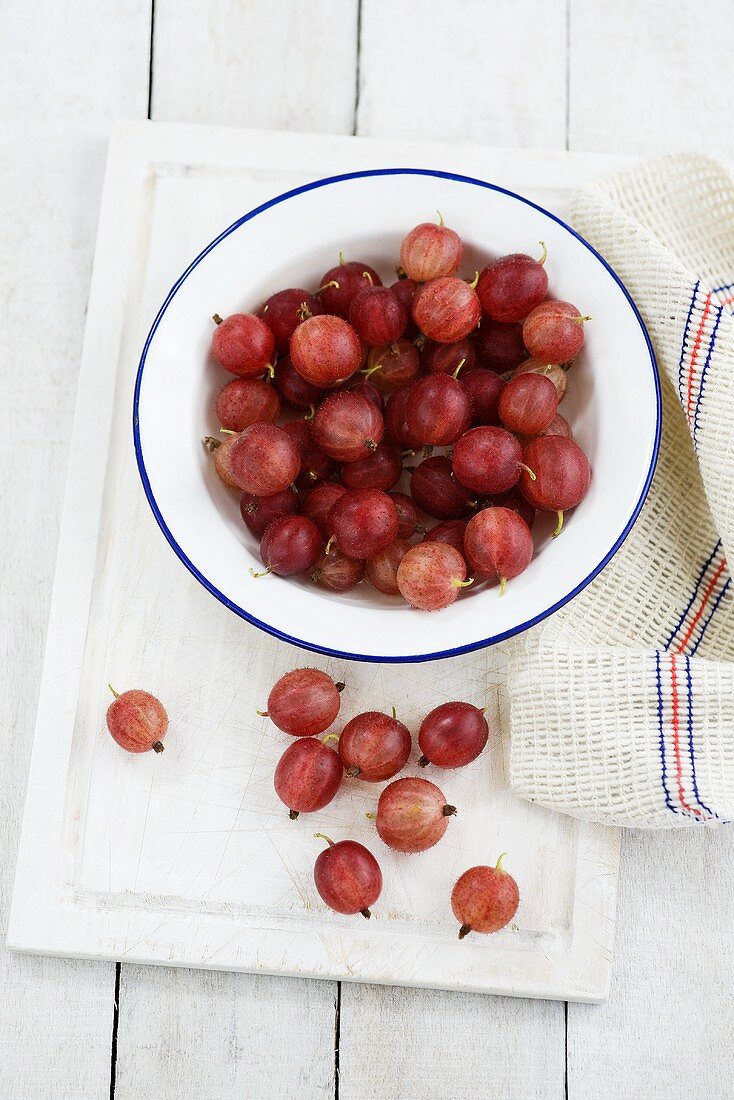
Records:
x=379, y=470
x=446, y=309
x=393, y=366
x=562, y=476
x=264, y=459
x=499, y=346
x=528, y=403
x=243, y=344
x=347, y=877
x=554, y=332
x=290, y=545
x=245, y=401
x=498, y=544
x=452, y=735
x=431, y=575
x=436, y=490
x=438, y=410
x=377, y=315
x=336, y=572
x=430, y=251
x=374, y=746
x=412, y=815
x=307, y=776
x=484, y=899
x=512, y=286
x=325, y=350
x=487, y=460
x=303, y=702
x=137, y=720
x=347, y=427
x=363, y=522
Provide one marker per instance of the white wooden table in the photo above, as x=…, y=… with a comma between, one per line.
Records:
x=624, y=77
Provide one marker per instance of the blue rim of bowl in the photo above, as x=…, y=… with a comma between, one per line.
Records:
x=420, y=657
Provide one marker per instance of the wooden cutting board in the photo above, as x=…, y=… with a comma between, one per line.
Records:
x=188, y=858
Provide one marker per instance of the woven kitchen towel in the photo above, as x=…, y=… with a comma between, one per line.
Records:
x=621, y=706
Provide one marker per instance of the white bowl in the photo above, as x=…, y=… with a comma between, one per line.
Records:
x=613, y=403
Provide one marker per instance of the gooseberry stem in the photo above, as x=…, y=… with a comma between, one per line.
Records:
x=115, y=693
x=462, y=584
x=330, y=737
x=461, y=364
x=227, y=431
x=263, y=713
x=464, y=931
x=441, y=222
x=544, y=257
x=258, y=575
x=503, y=585
x=327, y=548
x=366, y=275
x=331, y=283
x=474, y=281
x=528, y=471
x=498, y=864
x=559, y=525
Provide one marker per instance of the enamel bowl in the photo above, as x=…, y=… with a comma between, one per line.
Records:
x=613, y=404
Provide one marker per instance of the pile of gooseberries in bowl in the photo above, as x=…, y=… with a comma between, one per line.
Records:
x=411, y=427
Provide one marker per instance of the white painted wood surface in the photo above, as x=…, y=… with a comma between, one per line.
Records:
x=666, y=1030
x=62, y=86
x=189, y=859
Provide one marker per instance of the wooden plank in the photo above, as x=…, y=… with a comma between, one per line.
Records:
x=666, y=1029
x=460, y=79
x=491, y=72
x=63, y=80
x=650, y=78
x=187, y=1033
x=259, y=64
x=396, y=1043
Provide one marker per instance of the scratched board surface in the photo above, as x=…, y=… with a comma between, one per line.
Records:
x=188, y=857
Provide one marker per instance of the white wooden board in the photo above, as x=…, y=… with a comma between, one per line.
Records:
x=187, y=858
